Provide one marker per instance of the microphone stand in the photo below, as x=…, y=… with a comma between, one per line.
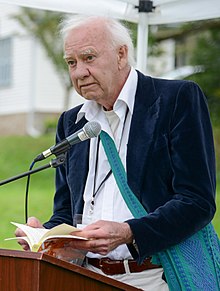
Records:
x=58, y=161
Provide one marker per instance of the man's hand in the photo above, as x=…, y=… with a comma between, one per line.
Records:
x=104, y=236
x=33, y=222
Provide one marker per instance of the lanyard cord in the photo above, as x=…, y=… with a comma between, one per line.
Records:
x=96, y=170
x=96, y=167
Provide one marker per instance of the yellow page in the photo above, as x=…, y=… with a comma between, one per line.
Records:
x=61, y=229
x=36, y=247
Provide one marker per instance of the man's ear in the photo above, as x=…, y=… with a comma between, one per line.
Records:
x=122, y=57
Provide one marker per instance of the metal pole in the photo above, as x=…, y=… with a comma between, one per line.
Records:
x=142, y=42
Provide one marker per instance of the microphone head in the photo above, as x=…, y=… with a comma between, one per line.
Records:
x=92, y=129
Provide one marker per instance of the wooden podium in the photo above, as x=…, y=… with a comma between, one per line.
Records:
x=29, y=271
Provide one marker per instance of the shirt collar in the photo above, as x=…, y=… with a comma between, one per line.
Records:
x=128, y=91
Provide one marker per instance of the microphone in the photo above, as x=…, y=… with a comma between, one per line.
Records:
x=90, y=130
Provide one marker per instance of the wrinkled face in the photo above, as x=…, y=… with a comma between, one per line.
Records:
x=97, y=70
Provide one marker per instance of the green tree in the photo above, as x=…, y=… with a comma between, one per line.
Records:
x=43, y=25
x=201, y=46
x=206, y=53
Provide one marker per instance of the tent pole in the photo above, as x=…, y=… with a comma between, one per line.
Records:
x=142, y=42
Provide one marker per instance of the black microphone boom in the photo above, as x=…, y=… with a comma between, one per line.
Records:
x=90, y=130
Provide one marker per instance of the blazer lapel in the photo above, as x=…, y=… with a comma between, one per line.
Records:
x=78, y=164
x=142, y=131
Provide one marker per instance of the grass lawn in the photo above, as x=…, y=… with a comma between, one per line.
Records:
x=16, y=155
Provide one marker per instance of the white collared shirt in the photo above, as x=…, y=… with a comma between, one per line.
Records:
x=108, y=202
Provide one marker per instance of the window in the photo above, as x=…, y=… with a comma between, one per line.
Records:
x=5, y=61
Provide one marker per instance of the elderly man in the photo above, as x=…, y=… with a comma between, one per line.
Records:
x=163, y=135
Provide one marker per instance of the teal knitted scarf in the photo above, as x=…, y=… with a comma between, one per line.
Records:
x=191, y=265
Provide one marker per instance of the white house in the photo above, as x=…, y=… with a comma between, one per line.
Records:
x=30, y=90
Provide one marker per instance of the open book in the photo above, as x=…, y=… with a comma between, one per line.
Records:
x=36, y=237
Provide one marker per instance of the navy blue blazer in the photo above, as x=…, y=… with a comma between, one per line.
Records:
x=170, y=165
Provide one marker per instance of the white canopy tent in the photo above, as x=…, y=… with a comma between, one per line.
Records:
x=143, y=12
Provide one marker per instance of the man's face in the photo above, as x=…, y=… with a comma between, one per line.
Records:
x=96, y=68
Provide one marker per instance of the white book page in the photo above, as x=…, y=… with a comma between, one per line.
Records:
x=34, y=235
x=21, y=237
x=38, y=235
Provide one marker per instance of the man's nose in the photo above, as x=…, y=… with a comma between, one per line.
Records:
x=81, y=71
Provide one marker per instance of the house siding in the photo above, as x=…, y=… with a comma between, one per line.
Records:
x=35, y=88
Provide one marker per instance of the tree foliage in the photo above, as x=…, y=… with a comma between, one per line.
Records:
x=43, y=25
x=206, y=53
x=203, y=39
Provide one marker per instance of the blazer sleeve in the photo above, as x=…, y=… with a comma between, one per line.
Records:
x=191, y=192
x=62, y=203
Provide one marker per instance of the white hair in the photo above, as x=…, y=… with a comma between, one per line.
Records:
x=119, y=33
